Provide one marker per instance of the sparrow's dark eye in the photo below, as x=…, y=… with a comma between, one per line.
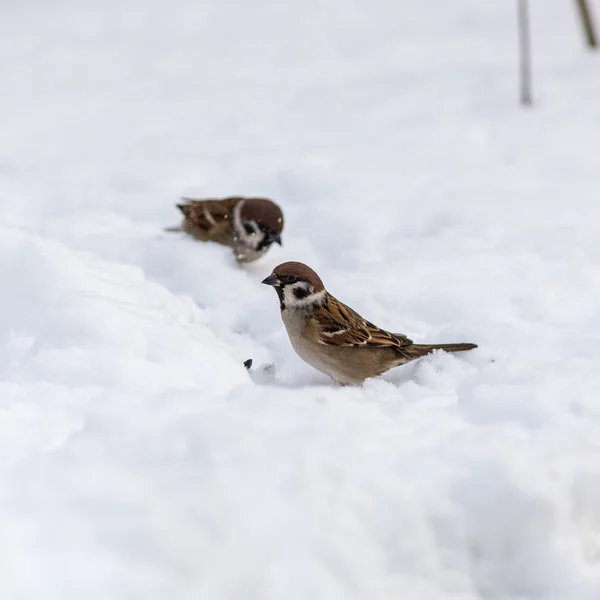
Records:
x=287, y=279
x=249, y=229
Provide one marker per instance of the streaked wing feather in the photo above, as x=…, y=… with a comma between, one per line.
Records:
x=209, y=215
x=339, y=325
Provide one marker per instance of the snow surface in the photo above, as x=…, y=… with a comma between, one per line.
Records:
x=138, y=458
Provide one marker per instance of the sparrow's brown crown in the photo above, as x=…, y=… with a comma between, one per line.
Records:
x=264, y=212
x=301, y=271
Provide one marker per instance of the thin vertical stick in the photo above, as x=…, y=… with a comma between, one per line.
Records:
x=524, y=52
x=587, y=23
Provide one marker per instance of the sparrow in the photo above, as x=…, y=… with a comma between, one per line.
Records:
x=248, y=225
x=333, y=338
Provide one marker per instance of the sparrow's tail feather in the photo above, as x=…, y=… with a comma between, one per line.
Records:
x=186, y=209
x=417, y=350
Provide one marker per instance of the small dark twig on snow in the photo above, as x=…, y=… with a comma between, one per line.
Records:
x=587, y=23
x=524, y=51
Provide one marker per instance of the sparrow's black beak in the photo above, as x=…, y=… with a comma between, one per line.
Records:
x=270, y=237
x=272, y=280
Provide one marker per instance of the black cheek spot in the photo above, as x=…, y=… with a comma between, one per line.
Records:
x=300, y=293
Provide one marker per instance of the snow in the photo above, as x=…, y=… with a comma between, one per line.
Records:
x=139, y=458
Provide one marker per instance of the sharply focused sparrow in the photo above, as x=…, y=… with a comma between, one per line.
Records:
x=248, y=225
x=333, y=338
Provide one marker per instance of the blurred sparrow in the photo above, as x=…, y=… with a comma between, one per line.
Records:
x=333, y=338
x=248, y=225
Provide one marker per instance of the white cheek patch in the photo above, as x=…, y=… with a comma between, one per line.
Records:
x=251, y=240
x=254, y=226
x=291, y=300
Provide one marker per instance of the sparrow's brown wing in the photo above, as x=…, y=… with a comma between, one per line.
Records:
x=210, y=216
x=339, y=325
